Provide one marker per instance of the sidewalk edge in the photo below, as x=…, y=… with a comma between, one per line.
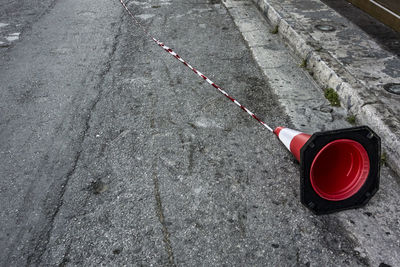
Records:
x=367, y=112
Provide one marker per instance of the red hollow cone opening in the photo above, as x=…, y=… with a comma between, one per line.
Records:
x=339, y=169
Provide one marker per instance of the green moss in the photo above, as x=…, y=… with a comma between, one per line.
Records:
x=275, y=30
x=332, y=97
x=303, y=64
x=351, y=119
x=383, y=159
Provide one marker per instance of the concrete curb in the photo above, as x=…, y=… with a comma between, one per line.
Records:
x=368, y=108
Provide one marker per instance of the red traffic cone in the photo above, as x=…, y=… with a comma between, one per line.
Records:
x=339, y=168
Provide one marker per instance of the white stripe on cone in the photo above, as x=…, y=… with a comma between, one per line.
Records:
x=286, y=136
x=292, y=139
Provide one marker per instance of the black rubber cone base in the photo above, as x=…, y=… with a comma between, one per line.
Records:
x=318, y=202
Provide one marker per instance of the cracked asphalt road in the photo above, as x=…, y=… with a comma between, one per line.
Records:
x=113, y=153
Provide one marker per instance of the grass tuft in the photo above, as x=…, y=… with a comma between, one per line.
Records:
x=383, y=159
x=332, y=97
x=351, y=119
x=303, y=64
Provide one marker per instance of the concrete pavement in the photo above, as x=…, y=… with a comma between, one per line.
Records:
x=310, y=112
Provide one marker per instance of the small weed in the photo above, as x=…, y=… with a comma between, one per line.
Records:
x=275, y=30
x=303, y=64
x=383, y=159
x=351, y=119
x=332, y=97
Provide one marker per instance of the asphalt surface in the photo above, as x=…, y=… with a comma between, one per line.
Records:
x=113, y=153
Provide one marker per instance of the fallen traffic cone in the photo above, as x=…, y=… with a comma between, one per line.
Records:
x=339, y=169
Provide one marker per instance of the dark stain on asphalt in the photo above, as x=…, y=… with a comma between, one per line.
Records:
x=117, y=251
x=242, y=218
x=337, y=240
x=192, y=149
x=258, y=93
x=98, y=187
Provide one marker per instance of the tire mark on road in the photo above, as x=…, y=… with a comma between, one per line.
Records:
x=157, y=196
x=161, y=218
x=42, y=244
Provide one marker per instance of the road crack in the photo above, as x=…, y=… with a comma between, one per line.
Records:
x=157, y=196
x=42, y=244
x=161, y=218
